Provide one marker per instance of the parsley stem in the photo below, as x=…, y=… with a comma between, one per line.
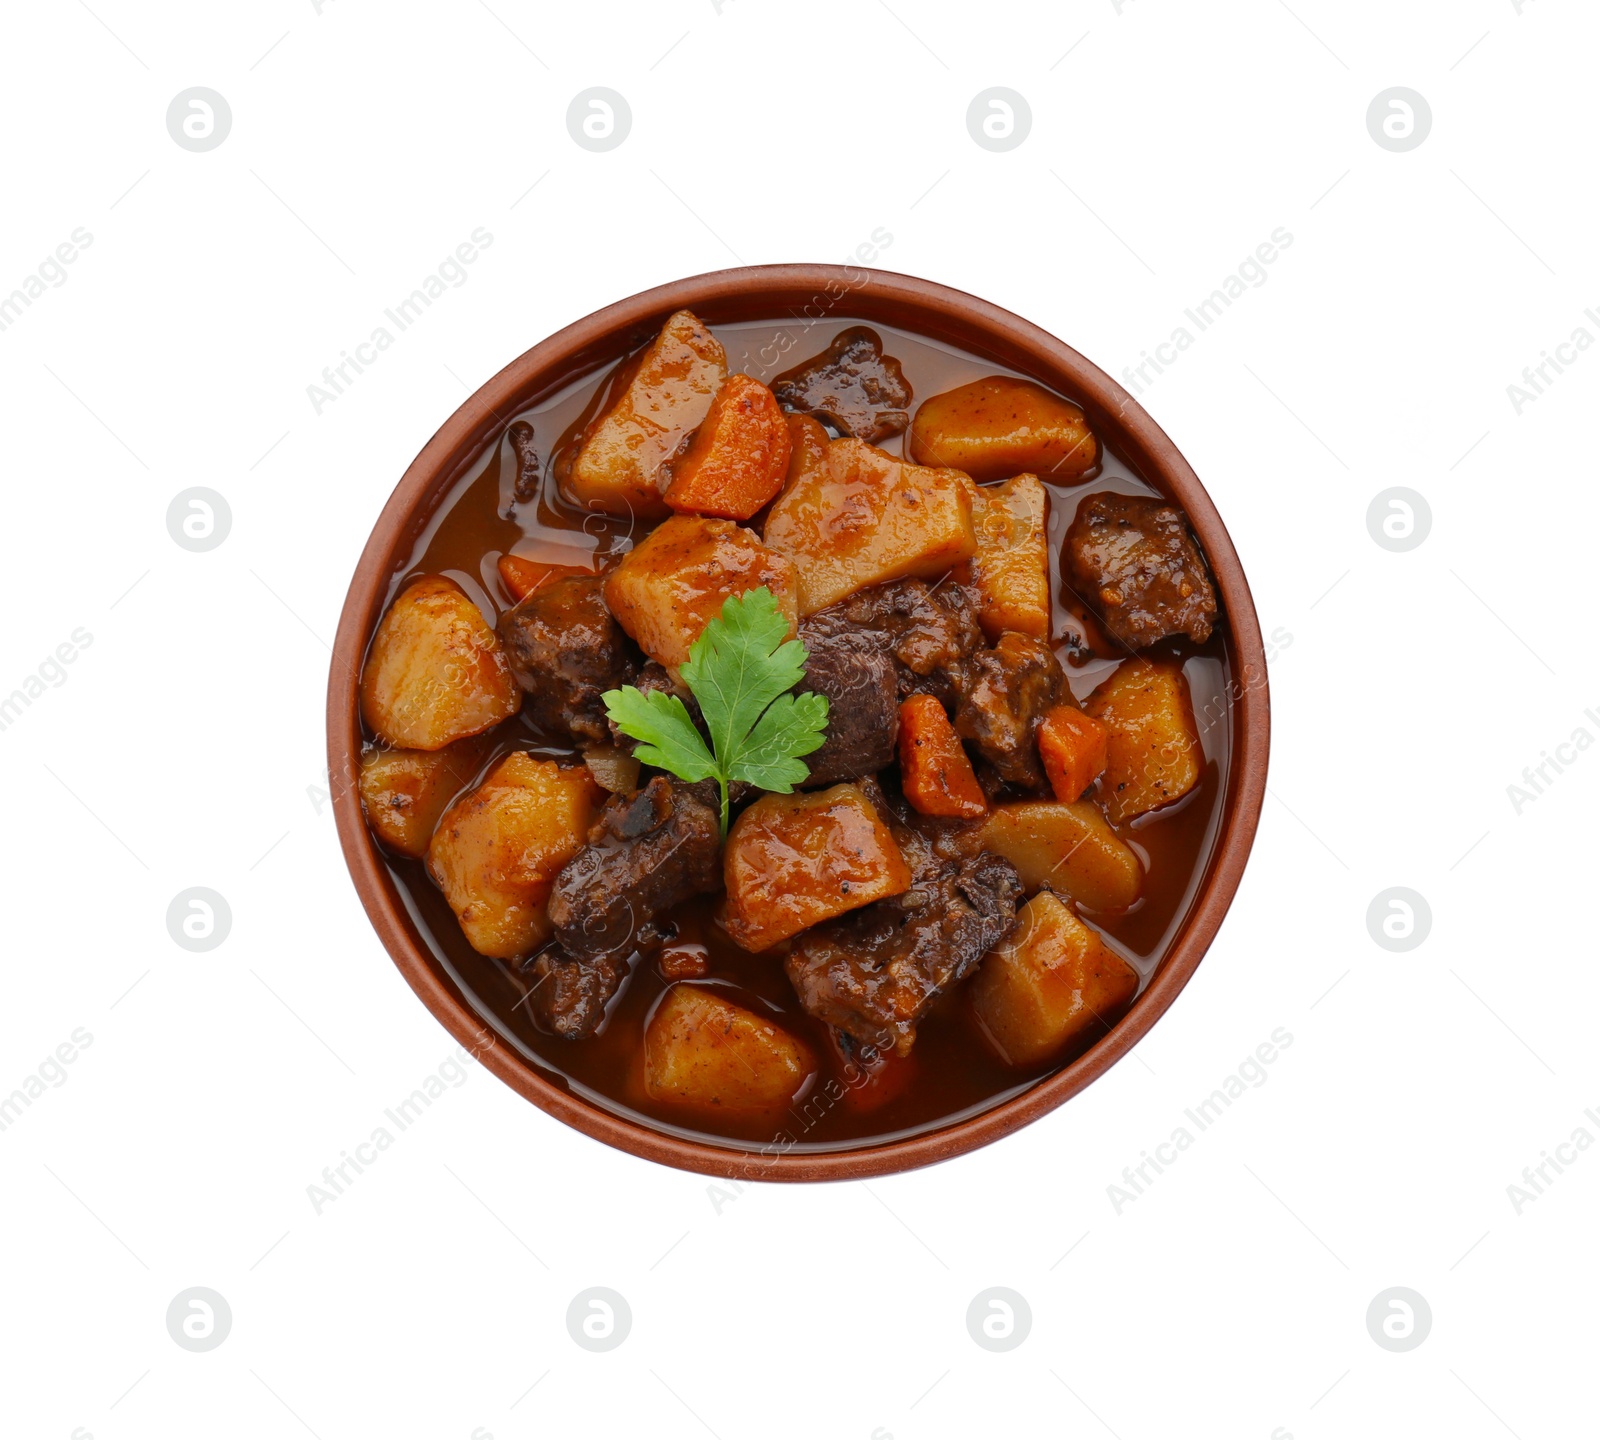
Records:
x=723, y=782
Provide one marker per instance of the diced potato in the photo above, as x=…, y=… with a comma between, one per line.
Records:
x=665, y=590
x=1001, y=426
x=793, y=861
x=498, y=850
x=866, y=518
x=1153, y=753
x=1073, y=748
x=1067, y=847
x=404, y=792
x=435, y=672
x=738, y=457
x=1011, y=568
x=936, y=775
x=1050, y=981
x=704, y=1052
x=666, y=395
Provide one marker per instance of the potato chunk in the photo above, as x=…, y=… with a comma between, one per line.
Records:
x=1067, y=847
x=1011, y=567
x=1153, y=753
x=498, y=850
x=667, y=589
x=1051, y=980
x=738, y=457
x=704, y=1052
x=404, y=792
x=867, y=518
x=435, y=672
x=667, y=392
x=793, y=861
x=1001, y=426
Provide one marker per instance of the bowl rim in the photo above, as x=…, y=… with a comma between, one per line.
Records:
x=857, y=293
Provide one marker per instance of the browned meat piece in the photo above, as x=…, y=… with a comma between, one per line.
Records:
x=925, y=841
x=875, y=972
x=930, y=630
x=852, y=386
x=863, y=709
x=526, y=485
x=570, y=996
x=646, y=853
x=1132, y=558
x=567, y=650
x=1008, y=690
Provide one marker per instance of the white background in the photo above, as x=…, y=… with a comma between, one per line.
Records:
x=185, y=746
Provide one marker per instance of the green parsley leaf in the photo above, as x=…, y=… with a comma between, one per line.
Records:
x=740, y=670
x=671, y=741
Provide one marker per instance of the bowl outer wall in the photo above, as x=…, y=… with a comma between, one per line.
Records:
x=808, y=292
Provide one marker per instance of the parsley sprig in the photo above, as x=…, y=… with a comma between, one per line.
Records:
x=740, y=670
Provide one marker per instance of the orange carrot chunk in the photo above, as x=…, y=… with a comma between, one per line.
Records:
x=1073, y=748
x=935, y=773
x=738, y=457
x=523, y=576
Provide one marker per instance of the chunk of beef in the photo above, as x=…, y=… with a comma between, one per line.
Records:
x=863, y=708
x=925, y=841
x=569, y=996
x=526, y=485
x=646, y=853
x=567, y=650
x=1007, y=691
x=929, y=630
x=852, y=386
x=875, y=972
x=1132, y=558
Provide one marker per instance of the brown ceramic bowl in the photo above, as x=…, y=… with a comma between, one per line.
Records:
x=779, y=292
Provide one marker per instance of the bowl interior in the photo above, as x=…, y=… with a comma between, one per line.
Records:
x=797, y=296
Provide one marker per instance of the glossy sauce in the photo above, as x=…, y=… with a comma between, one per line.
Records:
x=951, y=1072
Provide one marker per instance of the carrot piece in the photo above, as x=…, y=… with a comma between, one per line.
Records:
x=523, y=576
x=1073, y=748
x=738, y=457
x=935, y=773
